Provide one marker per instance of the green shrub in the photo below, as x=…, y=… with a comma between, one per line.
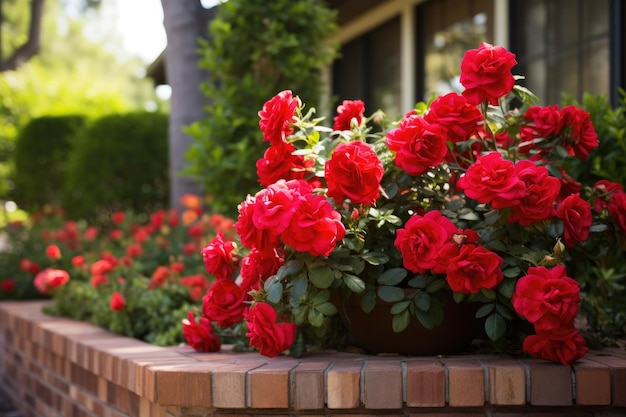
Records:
x=257, y=49
x=118, y=162
x=41, y=153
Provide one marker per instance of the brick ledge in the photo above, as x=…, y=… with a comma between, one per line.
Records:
x=86, y=369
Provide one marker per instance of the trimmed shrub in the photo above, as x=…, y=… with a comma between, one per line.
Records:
x=119, y=162
x=41, y=152
x=257, y=49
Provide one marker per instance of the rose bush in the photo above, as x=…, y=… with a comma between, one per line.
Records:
x=463, y=200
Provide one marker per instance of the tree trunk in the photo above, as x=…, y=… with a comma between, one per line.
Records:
x=31, y=47
x=185, y=22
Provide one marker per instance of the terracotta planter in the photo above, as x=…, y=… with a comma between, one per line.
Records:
x=373, y=332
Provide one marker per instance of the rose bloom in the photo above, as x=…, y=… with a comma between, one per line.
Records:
x=459, y=119
x=452, y=248
x=315, y=227
x=257, y=266
x=91, y=233
x=277, y=115
x=191, y=202
x=275, y=205
x=7, y=285
x=547, y=298
x=568, y=185
x=418, y=145
x=617, y=209
x=576, y=216
x=542, y=191
x=584, y=136
x=117, y=301
x=602, y=192
x=218, y=257
x=545, y=122
x=224, y=303
x=199, y=335
x=269, y=337
x=565, y=345
x=250, y=235
x=491, y=179
x=118, y=217
x=50, y=279
x=134, y=250
x=177, y=267
x=486, y=73
x=279, y=162
x=53, y=252
x=197, y=284
x=346, y=112
x=473, y=269
x=101, y=267
x=354, y=171
x=421, y=240
x=78, y=261
x=97, y=280
x=159, y=276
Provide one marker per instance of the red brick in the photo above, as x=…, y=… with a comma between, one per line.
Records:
x=466, y=382
x=308, y=385
x=550, y=383
x=593, y=383
x=618, y=377
x=382, y=381
x=507, y=382
x=230, y=385
x=269, y=384
x=343, y=385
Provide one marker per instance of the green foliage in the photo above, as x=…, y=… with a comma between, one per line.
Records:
x=119, y=162
x=257, y=49
x=41, y=152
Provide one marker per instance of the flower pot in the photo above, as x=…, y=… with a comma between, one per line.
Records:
x=373, y=331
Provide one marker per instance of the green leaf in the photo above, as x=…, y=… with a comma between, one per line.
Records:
x=327, y=309
x=392, y=276
x=290, y=267
x=422, y=301
x=484, y=310
x=390, y=294
x=495, y=326
x=375, y=258
x=320, y=297
x=425, y=319
x=274, y=291
x=507, y=287
x=458, y=296
x=321, y=277
x=316, y=318
x=368, y=301
x=400, y=306
x=400, y=321
x=435, y=286
x=354, y=283
x=512, y=272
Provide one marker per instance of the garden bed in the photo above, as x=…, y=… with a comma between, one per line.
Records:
x=54, y=366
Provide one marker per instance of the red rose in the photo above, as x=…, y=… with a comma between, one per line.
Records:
x=602, y=192
x=576, y=216
x=486, y=73
x=118, y=217
x=547, y=298
x=421, y=240
x=275, y=205
x=473, y=269
x=418, y=145
x=269, y=337
x=542, y=191
x=453, y=247
x=459, y=119
x=279, y=162
x=354, y=171
x=258, y=266
x=617, y=209
x=200, y=335
x=50, y=279
x=346, y=112
x=565, y=346
x=568, y=185
x=218, y=257
x=7, y=285
x=582, y=135
x=544, y=123
x=101, y=267
x=159, y=276
x=117, y=301
x=492, y=179
x=277, y=115
x=53, y=252
x=315, y=227
x=224, y=303
x=250, y=235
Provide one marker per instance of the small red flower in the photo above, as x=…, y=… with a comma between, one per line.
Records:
x=486, y=73
x=50, y=279
x=53, y=252
x=7, y=285
x=199, y=335
x=269, y=337
x=346, y=112
x=118, y=217
x=117, y=301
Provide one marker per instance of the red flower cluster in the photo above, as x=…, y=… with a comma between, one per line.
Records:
x=50, y=279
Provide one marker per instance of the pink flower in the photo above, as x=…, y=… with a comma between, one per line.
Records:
x=50, y=279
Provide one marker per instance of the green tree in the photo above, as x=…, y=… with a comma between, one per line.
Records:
x=257, y=49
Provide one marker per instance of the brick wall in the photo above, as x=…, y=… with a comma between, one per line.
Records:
x=57, y=367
